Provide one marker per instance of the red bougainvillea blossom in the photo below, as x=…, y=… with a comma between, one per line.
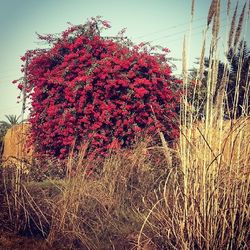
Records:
x=88, y=88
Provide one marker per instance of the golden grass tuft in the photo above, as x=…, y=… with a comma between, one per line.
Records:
x=204, y=202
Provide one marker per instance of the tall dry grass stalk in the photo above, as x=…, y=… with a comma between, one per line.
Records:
x=205, y=201
x=228, y=6
x=240, y=26
x=212, y=11
x=232, y=28
x=216, y=22
x=192, y=9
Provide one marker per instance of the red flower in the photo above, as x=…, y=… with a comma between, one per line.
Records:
x=166, y=50
x=20, y=86
x=140, y=92
x=90, y=89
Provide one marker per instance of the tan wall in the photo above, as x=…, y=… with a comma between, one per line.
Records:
x=15, y=145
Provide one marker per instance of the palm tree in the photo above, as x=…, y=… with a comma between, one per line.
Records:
x=11, y=121
x=237, y=71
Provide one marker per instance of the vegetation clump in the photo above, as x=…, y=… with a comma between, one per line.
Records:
x=88, y=88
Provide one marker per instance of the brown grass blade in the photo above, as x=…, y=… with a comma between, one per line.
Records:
x=228, y=6
x=240, y=25
x=211, y=11
x=216, y=23
x=184, y=58
x=232, y=28
x=192, y=9
x=201, y=64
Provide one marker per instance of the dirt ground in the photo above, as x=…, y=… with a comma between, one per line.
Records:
x=10, y=241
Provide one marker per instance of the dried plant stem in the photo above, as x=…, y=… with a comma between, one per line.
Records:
x=232, y=29
x=192, y=9
x=240, y=26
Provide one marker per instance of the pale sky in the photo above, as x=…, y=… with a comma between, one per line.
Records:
x=163, y=22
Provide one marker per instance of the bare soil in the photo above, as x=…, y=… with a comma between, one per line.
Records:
x=10, y=241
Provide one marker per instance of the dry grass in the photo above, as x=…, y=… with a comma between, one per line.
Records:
x=205, y=203
x=103, y=210
x=232, y=29
x=205, y=200
x=139, y=201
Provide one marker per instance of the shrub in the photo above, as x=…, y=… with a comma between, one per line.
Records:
x=88, y=88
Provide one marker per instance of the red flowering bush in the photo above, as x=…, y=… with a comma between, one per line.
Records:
x=88, y=88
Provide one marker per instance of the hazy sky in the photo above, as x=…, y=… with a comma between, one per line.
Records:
x=163, y=22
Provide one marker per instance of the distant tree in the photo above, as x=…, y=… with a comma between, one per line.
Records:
x=237, y=71
x=239, y=62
